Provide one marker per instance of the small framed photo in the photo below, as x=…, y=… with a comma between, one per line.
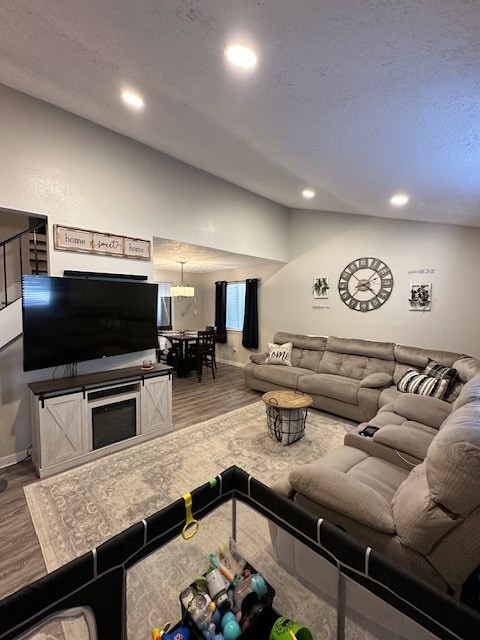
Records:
x=420, y=297
x=320, y=287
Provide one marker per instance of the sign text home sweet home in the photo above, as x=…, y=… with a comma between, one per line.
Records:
x=71, y=239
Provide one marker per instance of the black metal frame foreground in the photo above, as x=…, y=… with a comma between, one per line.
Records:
x=97, y=579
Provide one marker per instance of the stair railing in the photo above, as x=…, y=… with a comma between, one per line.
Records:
x=11, y=276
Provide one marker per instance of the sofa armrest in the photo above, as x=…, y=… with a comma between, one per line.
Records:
x=405, y=438
x=348, y=496
x=424, y=409
x=283, y=487
x=258, y=358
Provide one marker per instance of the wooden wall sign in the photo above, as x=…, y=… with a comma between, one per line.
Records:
x=96, y=242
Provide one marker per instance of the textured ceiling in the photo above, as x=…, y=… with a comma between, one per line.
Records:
x=357, y=99
x=168, y=254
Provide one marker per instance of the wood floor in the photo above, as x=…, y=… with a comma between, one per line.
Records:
x=21, y=559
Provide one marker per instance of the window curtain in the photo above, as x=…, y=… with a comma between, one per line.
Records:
x=250, y=321
x=221, y=311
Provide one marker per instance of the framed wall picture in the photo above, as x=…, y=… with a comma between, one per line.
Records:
x=420, y=298
x=107, y=244
x=320, y=287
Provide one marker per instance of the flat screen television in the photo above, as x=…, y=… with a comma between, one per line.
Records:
x=69, y=320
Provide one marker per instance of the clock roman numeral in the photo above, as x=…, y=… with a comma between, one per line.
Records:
x=353, y=266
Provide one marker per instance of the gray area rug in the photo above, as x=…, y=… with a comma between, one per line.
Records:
x=81, y=508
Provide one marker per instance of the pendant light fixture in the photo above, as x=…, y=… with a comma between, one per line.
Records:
x=182, y=291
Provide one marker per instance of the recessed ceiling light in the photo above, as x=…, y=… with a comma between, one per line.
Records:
x=308, y=193
x=241, y=56
x=132, y=99
x=399, y=199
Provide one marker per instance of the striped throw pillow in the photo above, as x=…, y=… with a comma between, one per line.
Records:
x=419, y=383
x=437, y=370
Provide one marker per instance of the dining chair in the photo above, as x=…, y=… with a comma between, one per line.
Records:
x=203, y=349
x=214, y=330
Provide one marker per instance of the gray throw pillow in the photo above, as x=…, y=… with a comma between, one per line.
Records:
x=377, y=380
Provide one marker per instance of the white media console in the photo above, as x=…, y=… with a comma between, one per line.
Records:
x=81, y=418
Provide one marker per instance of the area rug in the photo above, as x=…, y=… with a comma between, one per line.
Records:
x=81, y=508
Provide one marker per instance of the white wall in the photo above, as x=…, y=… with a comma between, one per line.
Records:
x=79, y=174
x=324, y=243
x=82, y=175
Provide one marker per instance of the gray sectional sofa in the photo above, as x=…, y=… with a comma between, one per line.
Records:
x=347, y=376
x=410, y=491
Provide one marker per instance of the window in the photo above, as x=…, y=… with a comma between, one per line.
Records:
x=235, y=305
x=164, y=306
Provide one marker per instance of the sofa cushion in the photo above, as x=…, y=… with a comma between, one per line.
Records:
x=331, y=386
x=353, y=483
x=279, y=354
x=417, y=358
x=419, y=522
x=285, y=377
x=428, y=411
x=356, y=358
x=467, y=368
x=376, y=380
x=258, y=358
x=299, y=341
x=414, y=382
x=356, y=347
x=412, y=438
x=388, y=396
x=453, y=461
x=470, y=393
x=310, y=359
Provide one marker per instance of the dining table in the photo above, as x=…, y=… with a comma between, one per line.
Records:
x=181, y=340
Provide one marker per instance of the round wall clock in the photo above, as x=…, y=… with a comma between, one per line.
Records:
x=365, y=284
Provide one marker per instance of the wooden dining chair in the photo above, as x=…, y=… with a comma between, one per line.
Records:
x=204, y=351
x=213, y=330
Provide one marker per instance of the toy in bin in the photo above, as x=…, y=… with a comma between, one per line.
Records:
x=228, y=598
x=177, y=633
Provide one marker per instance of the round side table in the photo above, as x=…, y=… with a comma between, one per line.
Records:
x=286, y=415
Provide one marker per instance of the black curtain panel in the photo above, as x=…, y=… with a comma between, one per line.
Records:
x=250, y=322
x=221, y=311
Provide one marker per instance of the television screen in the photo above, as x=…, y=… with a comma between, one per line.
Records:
x=68, y=320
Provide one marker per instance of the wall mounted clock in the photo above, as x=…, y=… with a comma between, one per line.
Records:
x=365, y=284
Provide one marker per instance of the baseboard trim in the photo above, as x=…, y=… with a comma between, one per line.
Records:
x=232, y=362
x=8, y=461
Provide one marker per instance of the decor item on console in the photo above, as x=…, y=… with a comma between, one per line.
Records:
x=411, y=491
x=348, y=376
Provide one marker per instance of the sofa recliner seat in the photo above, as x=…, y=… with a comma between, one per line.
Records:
x=424, y=514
